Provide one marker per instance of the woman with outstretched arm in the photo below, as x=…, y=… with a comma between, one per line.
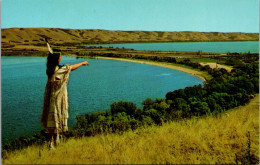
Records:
x=55, y=109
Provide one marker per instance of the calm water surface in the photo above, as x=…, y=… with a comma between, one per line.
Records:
x=221, y=47
x=91, y=88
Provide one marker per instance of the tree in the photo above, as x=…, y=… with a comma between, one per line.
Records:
x=195, y=91
x=148, y=103
x=179, y=104
x=199, y=108
x=213, y=105
x=153, y=114
x=122, y=106
x=176, y=94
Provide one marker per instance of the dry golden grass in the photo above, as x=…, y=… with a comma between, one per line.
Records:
x=207, y=140
x=61, y=36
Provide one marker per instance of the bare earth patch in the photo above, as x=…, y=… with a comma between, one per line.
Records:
x=215, y=65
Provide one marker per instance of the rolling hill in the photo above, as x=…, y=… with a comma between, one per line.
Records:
x=36, y=36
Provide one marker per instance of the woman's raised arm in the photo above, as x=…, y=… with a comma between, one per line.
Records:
x=76, y=66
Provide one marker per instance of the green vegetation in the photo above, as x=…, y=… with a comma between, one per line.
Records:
x=232, y=59
x=227, y=138
x=224, y=91
x=203, y=60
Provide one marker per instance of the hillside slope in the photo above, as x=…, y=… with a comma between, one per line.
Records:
x=62, y=36
x=221, y=139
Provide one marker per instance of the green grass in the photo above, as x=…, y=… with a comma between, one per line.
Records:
x=203, y=60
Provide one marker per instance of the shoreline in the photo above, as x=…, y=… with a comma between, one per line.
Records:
x=189, y=71
x=160, y=64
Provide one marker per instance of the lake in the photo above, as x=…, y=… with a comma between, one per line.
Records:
x=218, y=47
x=91, y=88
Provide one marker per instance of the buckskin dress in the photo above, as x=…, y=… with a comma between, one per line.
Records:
x=55, y=109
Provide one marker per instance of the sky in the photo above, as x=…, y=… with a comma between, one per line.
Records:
x=148, y=15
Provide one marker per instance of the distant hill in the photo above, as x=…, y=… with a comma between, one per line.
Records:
x=34, y=36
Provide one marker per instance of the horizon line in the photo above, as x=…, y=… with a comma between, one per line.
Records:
x=124, y=30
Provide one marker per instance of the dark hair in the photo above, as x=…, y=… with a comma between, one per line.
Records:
x=52, y=62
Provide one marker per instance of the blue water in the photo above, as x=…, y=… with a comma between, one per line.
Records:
x=219, y=47
x=91, y=88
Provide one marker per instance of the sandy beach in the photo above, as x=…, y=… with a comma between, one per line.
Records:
x=189, y=71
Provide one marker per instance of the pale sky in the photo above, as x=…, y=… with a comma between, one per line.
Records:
x=148, y=15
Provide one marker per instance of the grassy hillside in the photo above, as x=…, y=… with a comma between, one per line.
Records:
x=232, y=137
x=62, y=36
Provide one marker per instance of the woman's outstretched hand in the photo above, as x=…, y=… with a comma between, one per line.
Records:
x=85, y=63
x=75, y=66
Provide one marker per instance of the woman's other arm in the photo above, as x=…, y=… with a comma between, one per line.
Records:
x=76, y=66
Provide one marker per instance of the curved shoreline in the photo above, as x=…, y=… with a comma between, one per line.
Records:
x=189, y=71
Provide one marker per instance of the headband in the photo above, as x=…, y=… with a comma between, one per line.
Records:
x=56, y=51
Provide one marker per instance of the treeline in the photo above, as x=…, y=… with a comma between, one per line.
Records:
x=233, y=59
x=238, y=59
x=224, y=91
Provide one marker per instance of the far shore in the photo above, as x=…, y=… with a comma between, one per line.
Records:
x=186, y=70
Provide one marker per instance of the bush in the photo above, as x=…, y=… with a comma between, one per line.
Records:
x=122, y=106
x=179, y=104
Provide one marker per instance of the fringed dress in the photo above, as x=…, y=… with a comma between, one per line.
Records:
x=55, y=109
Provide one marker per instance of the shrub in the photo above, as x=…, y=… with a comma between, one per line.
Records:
x=122, y=106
